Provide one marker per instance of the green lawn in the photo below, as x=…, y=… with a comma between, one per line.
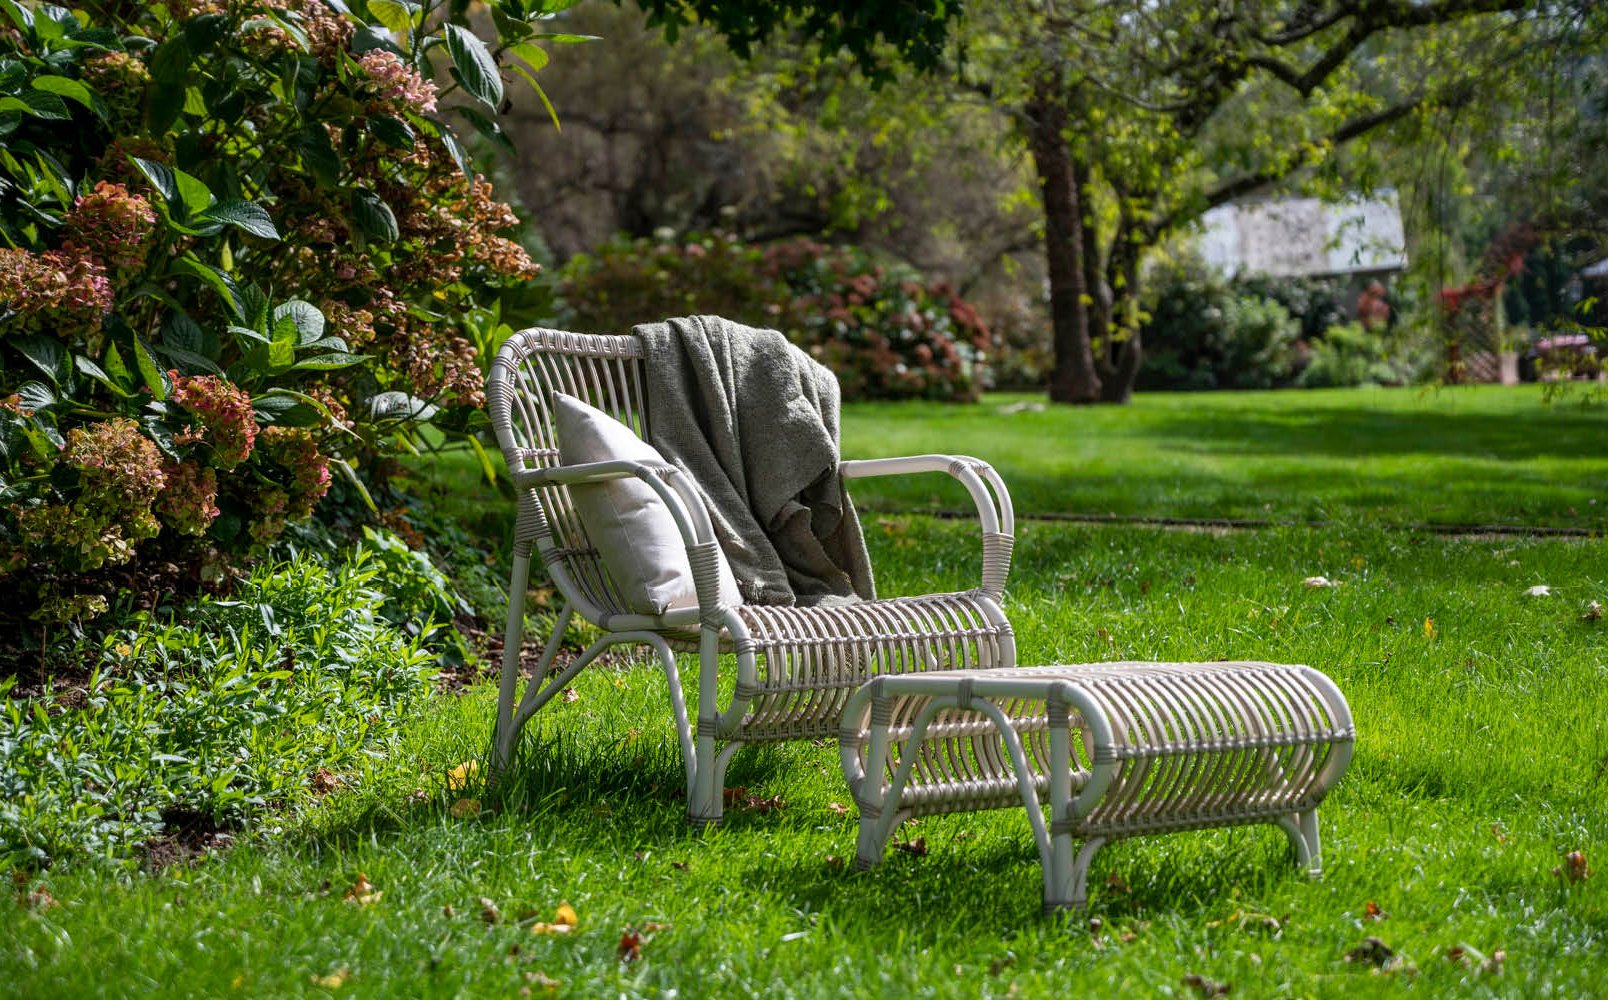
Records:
x=1454, y=455
x=1482, y=761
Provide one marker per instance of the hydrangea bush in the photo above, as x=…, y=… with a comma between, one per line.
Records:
x=237, y=240
x=886, y=333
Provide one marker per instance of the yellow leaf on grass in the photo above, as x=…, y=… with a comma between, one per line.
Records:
x=335, y=980
x=464, y=808
x=564, y=921
x=1430, y=631
x=459, y=777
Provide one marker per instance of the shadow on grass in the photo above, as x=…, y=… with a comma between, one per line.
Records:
x=1358, y=432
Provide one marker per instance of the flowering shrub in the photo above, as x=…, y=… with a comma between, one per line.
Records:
x=884, y=332
x=236, y=241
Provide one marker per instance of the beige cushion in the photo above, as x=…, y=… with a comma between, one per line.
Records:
x=631, y=527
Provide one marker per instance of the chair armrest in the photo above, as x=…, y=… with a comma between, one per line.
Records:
x=993, y=501
x=674, y=488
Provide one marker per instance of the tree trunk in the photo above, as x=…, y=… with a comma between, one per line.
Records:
x=1073, y=379
x=1123, y=271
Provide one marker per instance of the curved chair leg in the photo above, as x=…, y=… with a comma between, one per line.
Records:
x=1073, y=894
x=1302, y=829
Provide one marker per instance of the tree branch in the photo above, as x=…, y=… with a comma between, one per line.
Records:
x=1231, y=188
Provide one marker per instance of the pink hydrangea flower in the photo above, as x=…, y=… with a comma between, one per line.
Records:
x=395, y=82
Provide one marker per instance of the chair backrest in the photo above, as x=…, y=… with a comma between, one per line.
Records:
x=604, y=371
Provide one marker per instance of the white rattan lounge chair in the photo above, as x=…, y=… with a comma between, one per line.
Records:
x=793, y=668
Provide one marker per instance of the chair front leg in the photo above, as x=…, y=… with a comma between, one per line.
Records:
x=505, y=733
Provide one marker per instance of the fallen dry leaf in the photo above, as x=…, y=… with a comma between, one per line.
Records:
x=565, y=915
x=325, y=781
x=447, y=911
x=1593, y=612
x=546, y=982
x=1318, y=582
x=1116, y=884
x=1430, y=631
x=1539, y=590
x=39, y=899
x=546, y=928
x=1208, y=987
x=630, y=947
x=999, y=965
x=739, y=798
x=1574, y=867
x=464, y=808
x=1373, y=912
x=570, y=695
x=362, y=892
x=459, y=777
x=917, y=847
x=838, y=807
x=1373, y=952
x=488, y=910
x=679, y=866
x=1497, y=832
x=334, y=981
x=1471, y=959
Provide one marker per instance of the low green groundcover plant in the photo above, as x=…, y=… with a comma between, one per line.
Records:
x=225, y=710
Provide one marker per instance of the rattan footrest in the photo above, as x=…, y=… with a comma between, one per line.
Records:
x=1129, y=748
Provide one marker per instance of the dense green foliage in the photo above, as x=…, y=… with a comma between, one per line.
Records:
x=1351, y=354
x=883, y=331
x=1201, y=334
x=220, y=712
x=241, y=249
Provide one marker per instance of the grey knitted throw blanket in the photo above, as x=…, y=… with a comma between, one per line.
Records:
x=754, y=420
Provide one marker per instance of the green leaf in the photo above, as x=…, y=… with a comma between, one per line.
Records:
x=47, y=354
x=566, y=39
x=400, y=406
x=456, y=150
x=534, y=55
x=219, y=282
x=374, y=216
x=97, y=373
x=396, y=16
x=72, y=90
x=182, y=333
x=189, y=362
x=475, y=66
x=36, y=396
x=318, y=154
x=488, y=128
x=170, y=63
x=44, y=104
x=357, y=484
x=194, y=194
x=392, y=131
x=21, y=16
x=155, y=378
x=307, y=321
x=117, y=369
x=246, y=215
x=160, y=175
x=486, y=464
x=542, y=94
x=327, y=362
